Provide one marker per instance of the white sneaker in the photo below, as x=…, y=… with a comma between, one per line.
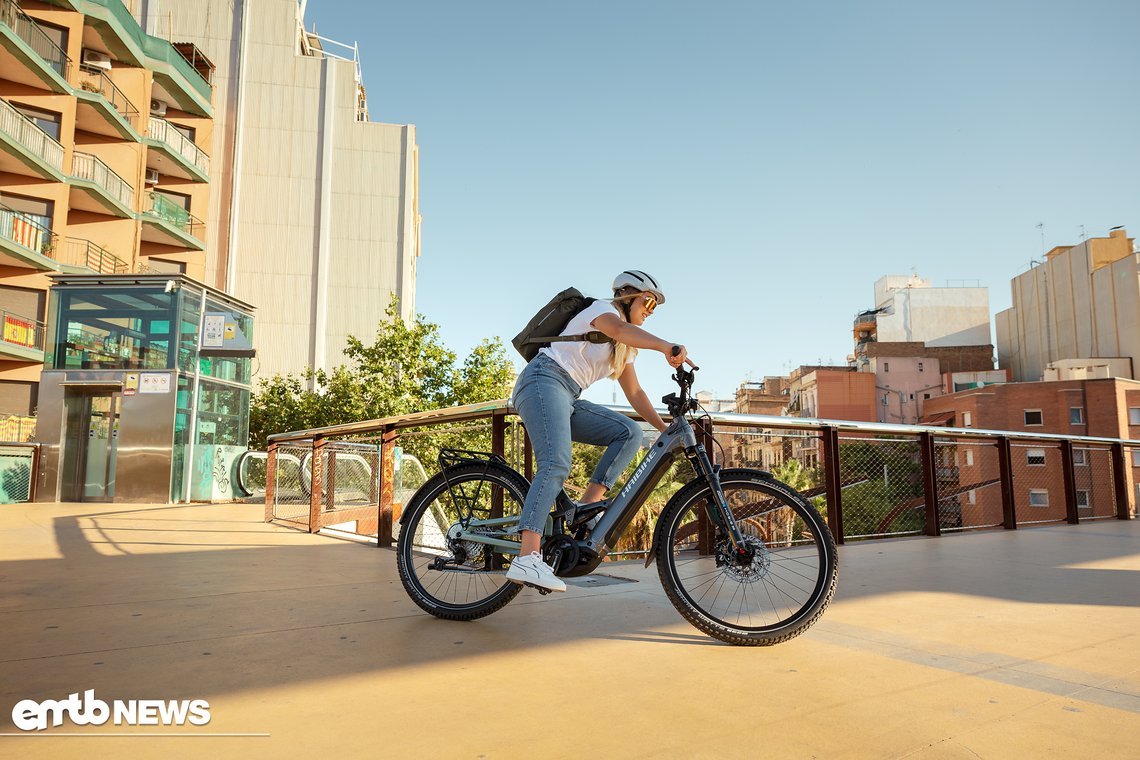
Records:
x=531, y=570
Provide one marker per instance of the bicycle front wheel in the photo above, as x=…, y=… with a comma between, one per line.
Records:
x=449, y=577
x=773, y=592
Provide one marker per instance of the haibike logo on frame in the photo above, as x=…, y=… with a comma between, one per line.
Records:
x=30, y=715
x=639, y=471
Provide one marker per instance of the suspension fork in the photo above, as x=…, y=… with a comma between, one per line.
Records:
x=718, y=511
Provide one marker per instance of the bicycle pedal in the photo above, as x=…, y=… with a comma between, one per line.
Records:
x=539, y=589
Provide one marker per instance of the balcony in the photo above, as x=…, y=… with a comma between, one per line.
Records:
x=28, y=150
x=102, y=108
x=95, y=188
x=21, y=338
x=176, y=80
x=26, y=242
x=174, y=153
x=167, y=223
x=83, y=253
x=28, y=55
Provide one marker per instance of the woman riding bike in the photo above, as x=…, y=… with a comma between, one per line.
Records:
x=547, y=398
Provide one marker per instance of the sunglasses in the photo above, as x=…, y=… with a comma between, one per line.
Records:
x=650, y=303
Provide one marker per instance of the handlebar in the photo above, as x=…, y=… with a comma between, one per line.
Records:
x=678, y=405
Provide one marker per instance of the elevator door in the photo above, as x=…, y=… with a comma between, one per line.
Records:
x=90, y=446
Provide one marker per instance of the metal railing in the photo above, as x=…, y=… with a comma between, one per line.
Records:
x=161, y=207
x=30, y=32
x=94, y=79
x=24, y=230
x=868, y=479
x=89, y=167
x=24, y=131
x=18, y=330
x=164, y=131
x=84, y=253
x=19, y=468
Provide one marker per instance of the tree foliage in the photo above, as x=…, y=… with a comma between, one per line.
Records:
x=406, y=368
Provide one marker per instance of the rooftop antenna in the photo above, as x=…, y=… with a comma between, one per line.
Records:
x=1041, y=226
x=1083, y=235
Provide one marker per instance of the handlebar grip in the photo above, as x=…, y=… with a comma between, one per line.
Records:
x=676, y=350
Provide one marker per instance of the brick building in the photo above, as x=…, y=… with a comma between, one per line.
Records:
x=1106, y=408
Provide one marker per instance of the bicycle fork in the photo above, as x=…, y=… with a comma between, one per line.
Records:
x=718, y=510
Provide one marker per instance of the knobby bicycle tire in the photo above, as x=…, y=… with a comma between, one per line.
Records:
x=791, y=580
x=422, y=536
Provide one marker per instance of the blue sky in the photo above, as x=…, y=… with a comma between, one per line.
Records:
x=767, y=161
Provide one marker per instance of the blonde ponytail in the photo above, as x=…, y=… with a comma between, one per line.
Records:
x=620, y=353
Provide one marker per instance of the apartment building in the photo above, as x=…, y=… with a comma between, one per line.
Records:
x=1082, y=303
x=831, y=393
x=316, y=205
x=105, y=167
x=915, y=334
x=1106, y=408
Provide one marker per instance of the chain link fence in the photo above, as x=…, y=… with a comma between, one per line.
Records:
x=290, y=486
x=1095, y=483
x=1038, y=483
x=882, y=486
x=969, y=484
x=16, y=466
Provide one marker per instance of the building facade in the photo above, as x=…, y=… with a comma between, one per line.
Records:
x=1106, y=408
x=105, y=135
x=316, y=205
x=1082, y=303
x=914, y=335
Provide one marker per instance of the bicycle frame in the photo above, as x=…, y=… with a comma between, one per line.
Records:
x=620, y=510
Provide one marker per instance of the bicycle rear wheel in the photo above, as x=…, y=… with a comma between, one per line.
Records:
x=777, y=590
x=448, y=577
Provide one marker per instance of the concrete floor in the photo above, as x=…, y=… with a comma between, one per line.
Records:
x=993, y=645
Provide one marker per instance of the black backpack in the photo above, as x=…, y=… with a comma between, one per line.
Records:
x=544, y=328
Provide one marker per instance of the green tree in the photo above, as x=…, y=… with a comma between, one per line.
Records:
x=406, y=368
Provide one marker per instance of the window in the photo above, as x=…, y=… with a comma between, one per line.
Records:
x=178, y=199
x=1076, y=415
x=926, y=395
x=187, y=132
x=1038, y=497
x=1136, y=457
x=58, y=37
x=104, y=328
x=1083, y=499
x=967, y=419
x=886, y=366
x=1035, y=457
x=48, y=121
x=1080, y=458
x=40, y=211
x=920, y=366
x=1134, y=415
x=1033, y=417
x=970, y=460
x=972, y=496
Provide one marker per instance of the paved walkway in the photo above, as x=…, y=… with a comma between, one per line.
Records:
x=993, y=645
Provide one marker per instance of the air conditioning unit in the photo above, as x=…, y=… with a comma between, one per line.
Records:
x=151, y=176
x=96, y=59
x=158, y=108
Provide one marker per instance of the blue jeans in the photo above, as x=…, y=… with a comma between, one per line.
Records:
x=546, y=399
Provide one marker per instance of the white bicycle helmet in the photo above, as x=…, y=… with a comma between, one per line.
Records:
x=635, y=278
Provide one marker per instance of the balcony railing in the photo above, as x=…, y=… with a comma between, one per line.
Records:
x=24, y=230
x=163, y=208
x=21, y=331
x=84, y=253
x=24, y=131
x=93, y=79
x=163, y=131
x=88, y=167
x=30, y=32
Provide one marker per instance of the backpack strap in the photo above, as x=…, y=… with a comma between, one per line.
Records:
x=594, y=336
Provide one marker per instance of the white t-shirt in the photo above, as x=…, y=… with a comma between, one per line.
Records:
x=585, y=362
